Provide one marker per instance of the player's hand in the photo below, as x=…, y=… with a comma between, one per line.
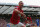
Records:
x=24, y=15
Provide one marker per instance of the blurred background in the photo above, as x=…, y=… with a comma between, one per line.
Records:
x=31, y=8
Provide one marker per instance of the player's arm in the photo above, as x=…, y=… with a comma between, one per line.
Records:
x=17, y=11
x=23, y=15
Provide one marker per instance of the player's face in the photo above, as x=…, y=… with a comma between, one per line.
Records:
x=21, y=4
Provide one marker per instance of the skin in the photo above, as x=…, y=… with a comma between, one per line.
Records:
x=17, y=11
x=20, y=6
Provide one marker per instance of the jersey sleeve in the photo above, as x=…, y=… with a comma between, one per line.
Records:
x=13, y=14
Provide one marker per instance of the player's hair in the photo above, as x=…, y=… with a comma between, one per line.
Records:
x=20, y=1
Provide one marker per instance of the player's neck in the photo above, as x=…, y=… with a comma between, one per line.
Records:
x=20, y=8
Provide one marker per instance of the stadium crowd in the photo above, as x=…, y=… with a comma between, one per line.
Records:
x=4, y=23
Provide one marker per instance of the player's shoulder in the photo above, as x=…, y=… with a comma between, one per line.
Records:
x=16, y=7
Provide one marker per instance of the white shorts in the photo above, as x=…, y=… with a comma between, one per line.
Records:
x=28, y=24
x=17, y=25
x=37, y=26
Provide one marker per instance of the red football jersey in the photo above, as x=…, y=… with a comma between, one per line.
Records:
x=29, y=18
x=15, y=19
